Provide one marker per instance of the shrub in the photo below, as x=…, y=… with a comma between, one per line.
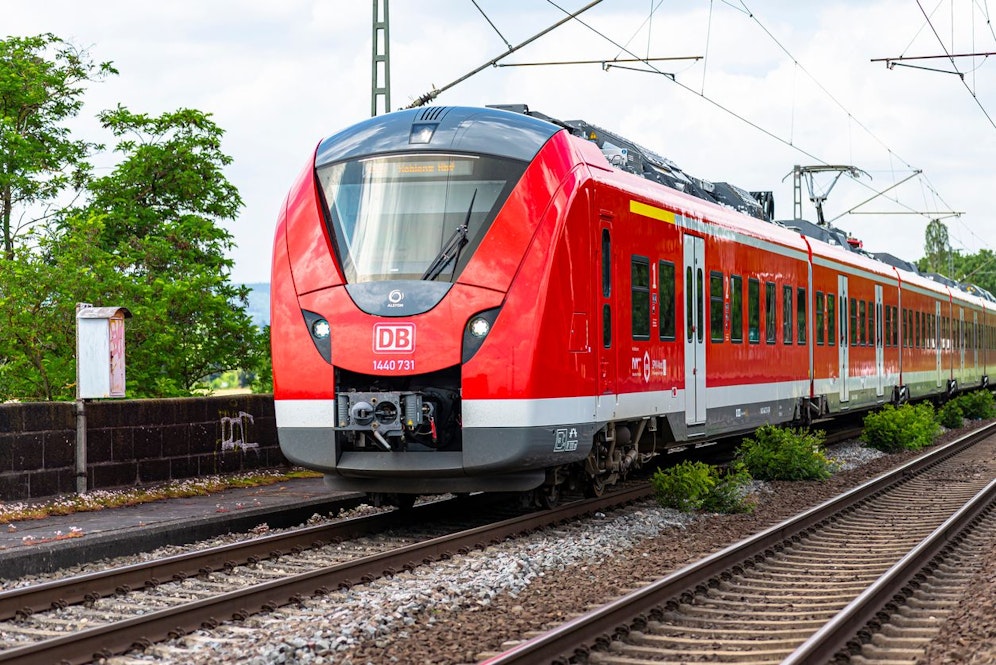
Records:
x=977, y=405
x=684, y=486
x=696, y=485
x=907, y=428
x=776, y=453
x=950, y=415
x=731, y=493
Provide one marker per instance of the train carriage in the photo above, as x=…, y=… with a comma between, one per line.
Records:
x=472, y=299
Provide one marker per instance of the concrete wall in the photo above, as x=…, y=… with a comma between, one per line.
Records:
x=133, y=441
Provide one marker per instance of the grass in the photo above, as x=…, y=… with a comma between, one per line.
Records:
x=133, y=496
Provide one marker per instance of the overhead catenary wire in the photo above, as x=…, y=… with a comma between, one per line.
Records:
x=954, y=64
x=743, y=8
x=435, y=92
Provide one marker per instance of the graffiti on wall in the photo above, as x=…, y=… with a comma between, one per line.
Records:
x=237, y=432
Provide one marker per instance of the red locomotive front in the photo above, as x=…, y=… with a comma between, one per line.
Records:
x=422, y=339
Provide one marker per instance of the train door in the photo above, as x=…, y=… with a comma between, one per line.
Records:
x=607, y=360
x=695, y=358
x=879, y=350
x=843, y=349
x=961, y=342
x=937, y=343
x=975, y=343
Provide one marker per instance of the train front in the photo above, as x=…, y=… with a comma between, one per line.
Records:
x=393, y=264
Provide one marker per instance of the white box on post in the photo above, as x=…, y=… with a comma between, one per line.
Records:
x=100, y=351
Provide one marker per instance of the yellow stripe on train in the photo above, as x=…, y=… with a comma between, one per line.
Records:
x=652, y=212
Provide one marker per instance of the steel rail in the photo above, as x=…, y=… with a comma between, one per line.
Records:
x=103, y=641
x=27, y=600
x=836, y=633
x=576, y=636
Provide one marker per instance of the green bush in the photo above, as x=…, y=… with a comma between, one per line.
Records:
x=907, y=428
x=977, y=405
x=696, y=485
x=684, y=486
x=730, y=495
x=777, y=453
x=950, y=415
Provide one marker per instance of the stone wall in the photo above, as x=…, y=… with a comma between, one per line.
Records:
x=133, y=442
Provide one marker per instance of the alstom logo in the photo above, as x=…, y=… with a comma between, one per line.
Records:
x=394, y=337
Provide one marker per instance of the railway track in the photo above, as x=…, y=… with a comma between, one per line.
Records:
x=144, y=603
x=813, y=588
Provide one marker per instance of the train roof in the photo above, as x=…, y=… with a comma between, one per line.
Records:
x=629, y=156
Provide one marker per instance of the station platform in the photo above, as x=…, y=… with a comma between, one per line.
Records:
x=37, y=546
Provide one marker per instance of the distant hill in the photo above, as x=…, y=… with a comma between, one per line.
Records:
x=259, y=303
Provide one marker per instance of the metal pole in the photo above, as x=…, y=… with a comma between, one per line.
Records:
x=80, y=447
x=80, y=414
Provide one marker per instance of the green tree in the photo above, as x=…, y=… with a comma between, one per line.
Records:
x=937, y=249
x=38, y=296
x=161, y=209
x=41, y=86
x=148, y=236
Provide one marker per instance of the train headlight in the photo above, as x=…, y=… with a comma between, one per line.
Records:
x=479, y=327
x=476, y=330
x=321, y=333
x=321, y=329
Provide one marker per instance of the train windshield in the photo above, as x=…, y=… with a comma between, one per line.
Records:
x=413, y=216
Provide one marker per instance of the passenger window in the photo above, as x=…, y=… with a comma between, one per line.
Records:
x=716, y=306
x=800, y=306
x=770, y=312
x=819, y=318
x=854, y=321
x=736, y=308
x=862, y=324
x=871, y=323
x=831, y=319
x=787, y=314
x=606, y=264
x=640, y=297
x=665, y=272
x=753, y=310
x=606, y=326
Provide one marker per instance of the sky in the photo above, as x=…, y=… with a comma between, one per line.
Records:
x=777, y=83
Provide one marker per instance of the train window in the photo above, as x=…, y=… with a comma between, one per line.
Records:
x=606, y=264
x=770, y=312
x=736, y=308
x=831, y=319
x=819, y=318
x=787, y=314
x=753, y=310
x=862, y=324
x=412, y=216
x=872, y=337
x=640, y=290
x=700, y=302
x=800, y=306
x=606, y=326
x=689, y=296
x=895, y=326
x=886, y=324
x=665, y=271
x=917, y=338
x=854, y=321
x=716, y=306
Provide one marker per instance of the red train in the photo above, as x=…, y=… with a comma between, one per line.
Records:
x=488, y=299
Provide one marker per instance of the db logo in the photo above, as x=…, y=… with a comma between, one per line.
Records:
x=394, y=337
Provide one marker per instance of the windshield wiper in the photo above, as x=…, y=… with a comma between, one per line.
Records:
x=451, y=250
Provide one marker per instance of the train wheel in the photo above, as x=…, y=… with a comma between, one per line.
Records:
x=595, y=487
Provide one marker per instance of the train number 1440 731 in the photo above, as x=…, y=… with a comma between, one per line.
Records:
x=404, y=365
